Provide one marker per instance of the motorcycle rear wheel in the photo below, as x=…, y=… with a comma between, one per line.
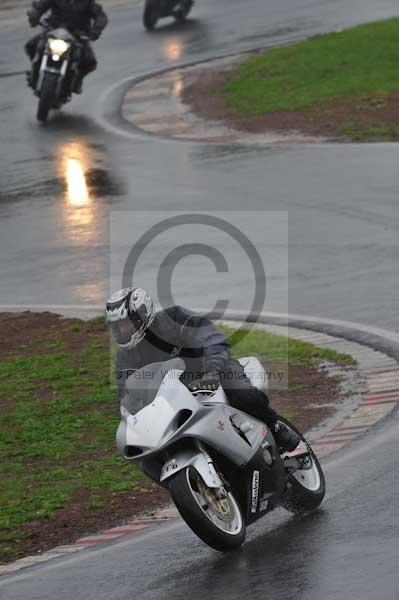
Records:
x=46, y=98
x=151, y=14
x=306, y=487
x=221, y=528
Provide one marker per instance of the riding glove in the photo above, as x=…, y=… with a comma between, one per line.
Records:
x=33, y=18
x=208, y=382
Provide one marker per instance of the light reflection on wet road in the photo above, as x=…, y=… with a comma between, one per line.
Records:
x=77, y=192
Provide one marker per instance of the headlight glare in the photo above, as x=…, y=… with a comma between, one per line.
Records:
x=58, y=47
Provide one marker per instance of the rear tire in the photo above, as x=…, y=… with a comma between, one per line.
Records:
x=151, y=14
x=307, y=487
x=188, y=502
x=47, y=96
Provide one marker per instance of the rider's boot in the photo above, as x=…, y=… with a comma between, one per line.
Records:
x=286, y=438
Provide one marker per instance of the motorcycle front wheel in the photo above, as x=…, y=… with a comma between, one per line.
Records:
x=306, y=486
x=47, y=96
x=212, y=514
x=151, y=14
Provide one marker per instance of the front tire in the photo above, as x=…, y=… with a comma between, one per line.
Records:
x=47, y=96
x=306, y=487
x=151, y=14
x=219, y=523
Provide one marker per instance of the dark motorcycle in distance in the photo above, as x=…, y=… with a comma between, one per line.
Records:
x=55, y=68
x=160, y=9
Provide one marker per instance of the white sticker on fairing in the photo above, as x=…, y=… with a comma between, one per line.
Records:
x=170, y=465
x=263, y=504
x=255, y=491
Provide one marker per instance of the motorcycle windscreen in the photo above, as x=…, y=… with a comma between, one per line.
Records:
x=142, y=386
x=149, y=426
x=62, y=34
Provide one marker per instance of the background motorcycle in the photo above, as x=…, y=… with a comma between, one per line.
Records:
x=55, y=68
x=159, y=9
x=221, y=466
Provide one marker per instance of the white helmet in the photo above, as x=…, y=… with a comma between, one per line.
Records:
x=130, y=313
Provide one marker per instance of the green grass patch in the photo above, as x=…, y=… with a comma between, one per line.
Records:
x=360, y=133
x=58, y=420
x=355, y=63
x=279, y=349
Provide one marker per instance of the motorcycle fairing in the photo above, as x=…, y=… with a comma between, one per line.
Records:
x=255, y=372
x=61, y=33
x=263, y=482
x=158, y=425
x=198, y=460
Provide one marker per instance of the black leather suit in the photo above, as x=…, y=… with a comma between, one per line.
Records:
x=204, y=349
x=85, y=16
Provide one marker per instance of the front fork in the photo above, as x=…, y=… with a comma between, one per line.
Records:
x=209, y=460
x=42, y=71
x=220, y=492
x=45, y=68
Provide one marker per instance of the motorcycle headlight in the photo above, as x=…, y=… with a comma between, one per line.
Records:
x=58, y=47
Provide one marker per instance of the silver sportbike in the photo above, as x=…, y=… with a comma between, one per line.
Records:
x=221, y=466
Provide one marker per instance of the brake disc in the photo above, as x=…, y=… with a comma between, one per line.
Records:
x=217, y=499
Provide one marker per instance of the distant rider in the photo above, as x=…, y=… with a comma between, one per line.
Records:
x=145, y=337
x=77, y=16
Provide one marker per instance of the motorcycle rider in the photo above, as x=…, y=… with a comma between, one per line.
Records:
x=145, y=336
x=78, y=16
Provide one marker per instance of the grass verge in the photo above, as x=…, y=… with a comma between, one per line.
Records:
x=349, y=79
x=361, y=61
x=58, y=420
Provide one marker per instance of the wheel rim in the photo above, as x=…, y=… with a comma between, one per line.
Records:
x=223, y=512
x=308, y=475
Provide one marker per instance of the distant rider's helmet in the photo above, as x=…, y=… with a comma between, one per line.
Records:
x=129, y=313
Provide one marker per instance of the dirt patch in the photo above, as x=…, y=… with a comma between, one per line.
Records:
x=374, y=118
x=26, y=332
x=80, y=518
x=308, y=396
x=310, y=390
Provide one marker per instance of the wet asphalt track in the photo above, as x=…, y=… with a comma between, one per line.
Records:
x=341, y=200
x=348, y=550
x=343, y=226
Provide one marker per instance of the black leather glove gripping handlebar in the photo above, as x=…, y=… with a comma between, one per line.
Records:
x=33, y=17
x=208, y=382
